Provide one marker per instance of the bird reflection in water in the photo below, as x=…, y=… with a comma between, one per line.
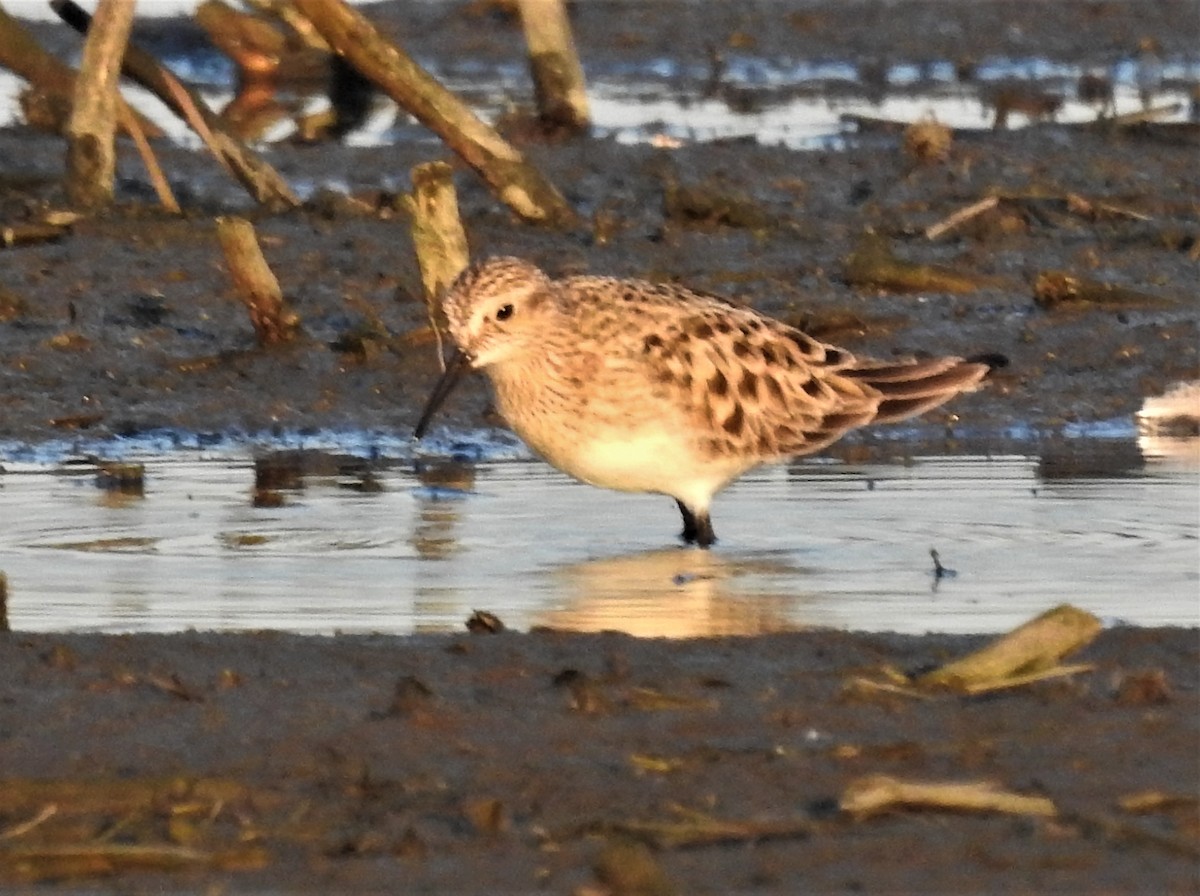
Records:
x=675, y=593
x=443, y=486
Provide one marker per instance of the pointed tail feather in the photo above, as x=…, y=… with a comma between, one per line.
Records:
x=912, y=388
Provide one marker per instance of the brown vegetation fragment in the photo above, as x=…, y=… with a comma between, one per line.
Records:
x=927, y=141
x=873, y=264
x=1054, y=290
x=1143, y=688
x=708, y=204
x=628, y=868
x=1029, y=652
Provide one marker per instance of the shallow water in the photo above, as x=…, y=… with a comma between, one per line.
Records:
x=341, y=544
x=798, y=103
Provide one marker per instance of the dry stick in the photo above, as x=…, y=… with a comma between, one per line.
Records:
x=873, y=794
x=933, y=231
x=257, y=287
x=1142, y=116
x=157, y=179
x=1053, y=289
x=91, y=153
x=518, y=184
x=192, y=115
x=1073, y=202
x=1036, y=645
x=22, y=54
x=438, y=237
x=262, y=181
x=437, y=231
x=21, y=829
x=255, y=45
x=24, y=234
x=700, y=830
x=121, y=796
x=1082, y=206
x=557, y=75
x=4, y=603
x=286, y=13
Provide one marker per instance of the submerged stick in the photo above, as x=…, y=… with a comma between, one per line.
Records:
x=516, y=182
x=256, y=285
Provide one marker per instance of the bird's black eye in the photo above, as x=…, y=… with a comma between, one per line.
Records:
x=504, y=312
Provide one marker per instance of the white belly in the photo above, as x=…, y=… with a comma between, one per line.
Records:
x=649, y=461
x=615, y=439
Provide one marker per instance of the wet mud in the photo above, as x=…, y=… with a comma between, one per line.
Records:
x=523, y=762
x=526, y=761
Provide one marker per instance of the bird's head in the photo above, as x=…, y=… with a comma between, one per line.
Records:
x=495, y=310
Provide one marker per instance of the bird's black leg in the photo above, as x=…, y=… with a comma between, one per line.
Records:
x=697, y=528
x=689, y=523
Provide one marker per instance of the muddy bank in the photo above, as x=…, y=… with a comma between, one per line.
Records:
x=128, y=323
x=512, y=763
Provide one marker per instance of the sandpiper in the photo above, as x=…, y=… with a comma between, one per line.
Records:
x=653, y=387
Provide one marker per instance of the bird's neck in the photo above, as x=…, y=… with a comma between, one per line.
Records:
x=531, y=386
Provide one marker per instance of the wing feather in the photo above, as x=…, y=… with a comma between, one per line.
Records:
x=746, y=384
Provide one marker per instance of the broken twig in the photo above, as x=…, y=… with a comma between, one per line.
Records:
x=874, y=794
x=933, y=231
x=91, y=129
x=438, y=237
x=256, y=285
x=262, y=181
x=516, y=182
x=47, y=811
x=1055, y=289
x=557, y=75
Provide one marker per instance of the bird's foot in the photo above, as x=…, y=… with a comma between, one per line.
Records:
x=697, y=528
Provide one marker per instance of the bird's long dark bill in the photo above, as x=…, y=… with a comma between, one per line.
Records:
x=458, y=364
